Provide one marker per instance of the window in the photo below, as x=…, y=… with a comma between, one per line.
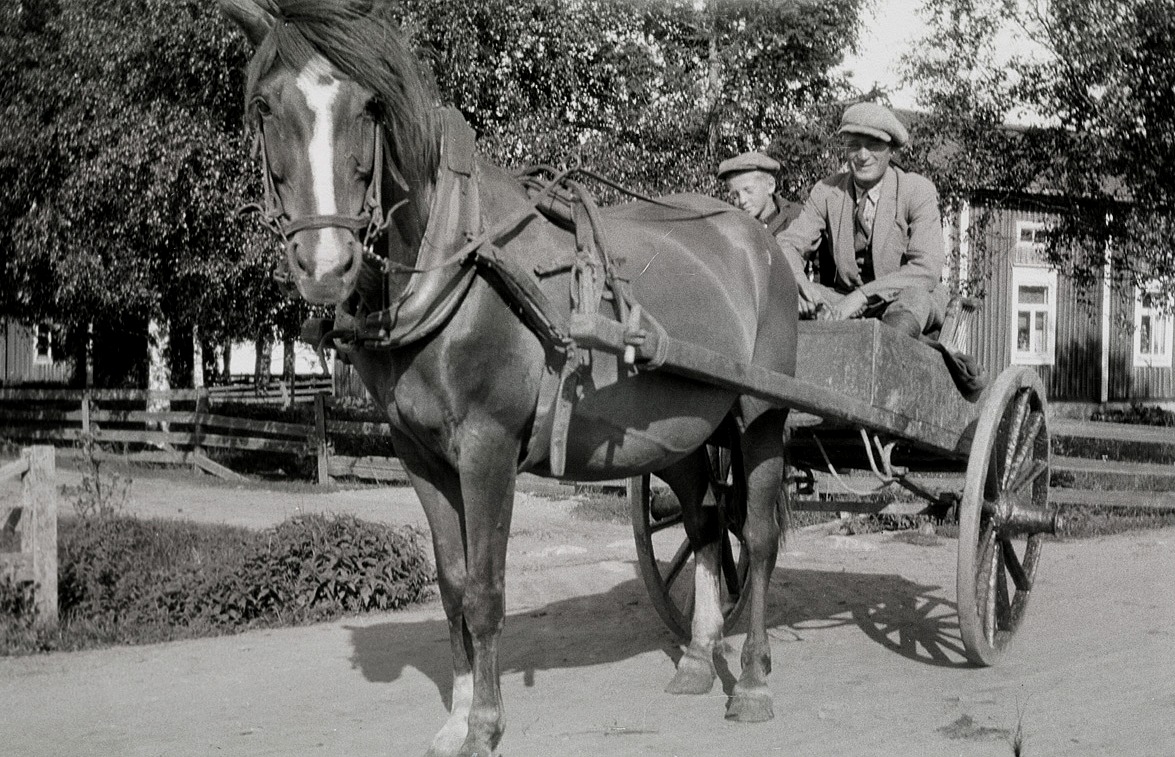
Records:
x=1034, y=314
x=42, y=344
x=1152, y=329
x=1032, y=234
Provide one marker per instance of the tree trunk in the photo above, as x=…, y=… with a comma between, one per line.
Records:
x=264, y=354
x=197, y=359
x=288, y=368
x=227, y=372
x=158, y=372
x=713, y=92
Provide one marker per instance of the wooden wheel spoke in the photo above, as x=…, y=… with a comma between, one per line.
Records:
x=1011, y=443
x=1003, y=605
x=677, y=564
x=1025, y=445
x=991, y=556
x=1028, y=477
x=1014, y=567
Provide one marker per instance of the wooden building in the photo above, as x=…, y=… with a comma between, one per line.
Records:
x=33, y=354
x=1107, y=346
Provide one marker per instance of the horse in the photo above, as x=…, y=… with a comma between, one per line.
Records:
x=453, y=293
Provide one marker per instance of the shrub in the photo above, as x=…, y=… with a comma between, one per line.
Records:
x=311, y=568
x=127, y=580
x=1139, y=414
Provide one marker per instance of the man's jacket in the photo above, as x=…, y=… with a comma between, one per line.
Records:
x=907, y=242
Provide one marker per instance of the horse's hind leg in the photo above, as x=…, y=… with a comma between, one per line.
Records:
x=763, y=455
x=689, y=479
x=440, y=496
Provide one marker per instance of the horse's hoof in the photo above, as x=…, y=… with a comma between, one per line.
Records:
x=694, y=675
x=750, y=708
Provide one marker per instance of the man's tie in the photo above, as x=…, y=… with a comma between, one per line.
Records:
x=865, y=213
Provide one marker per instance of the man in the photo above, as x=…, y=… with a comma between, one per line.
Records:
x=883, y=227
x=750, y=180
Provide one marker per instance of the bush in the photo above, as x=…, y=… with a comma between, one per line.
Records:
x=310, y=568
x=1137, y=414
x=127, y=580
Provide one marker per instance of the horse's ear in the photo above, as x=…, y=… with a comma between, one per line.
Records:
x=254, y=20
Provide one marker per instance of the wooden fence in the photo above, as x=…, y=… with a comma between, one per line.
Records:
x=281, y=392
x=35, y=517
x=176, y=427
x=189, y=426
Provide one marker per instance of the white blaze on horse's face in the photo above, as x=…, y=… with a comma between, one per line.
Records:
x=319, y=137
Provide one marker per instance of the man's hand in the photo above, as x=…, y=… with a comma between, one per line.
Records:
x=811, y=298
x=850, y=307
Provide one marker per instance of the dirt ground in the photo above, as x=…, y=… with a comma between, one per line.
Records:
x=866, y=649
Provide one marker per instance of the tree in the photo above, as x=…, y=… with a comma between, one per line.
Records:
x=121, y=168
x=1096, y=80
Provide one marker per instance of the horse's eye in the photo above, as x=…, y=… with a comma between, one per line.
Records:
x=373, y=110
x=262, y=107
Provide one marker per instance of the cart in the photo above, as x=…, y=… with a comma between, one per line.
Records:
x=868, y=399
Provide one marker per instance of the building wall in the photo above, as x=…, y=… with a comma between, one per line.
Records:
x=1127, y=382
x=1076, y=373
x=18, y=363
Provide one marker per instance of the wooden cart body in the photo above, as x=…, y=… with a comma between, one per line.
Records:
x=866, y=397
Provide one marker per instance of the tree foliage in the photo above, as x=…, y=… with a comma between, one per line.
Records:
x=122, y=166
x=1096, y=84
x=651, y=93
x=123, y=158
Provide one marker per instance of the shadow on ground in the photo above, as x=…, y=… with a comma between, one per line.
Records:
x=910, y=619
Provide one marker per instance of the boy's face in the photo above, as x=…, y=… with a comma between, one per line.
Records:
x=751, y=191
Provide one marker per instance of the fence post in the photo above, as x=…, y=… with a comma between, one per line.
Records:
x=320, y=438
x=39, y=527
x=197, y=429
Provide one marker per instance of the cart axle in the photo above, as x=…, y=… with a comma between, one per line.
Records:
x=1024, y=519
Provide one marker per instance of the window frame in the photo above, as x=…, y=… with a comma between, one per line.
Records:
x=1034, y=275
x=1040, y=231
x=1162, y=358
x=42, y=331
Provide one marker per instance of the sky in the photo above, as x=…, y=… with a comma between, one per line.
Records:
x=889, y=29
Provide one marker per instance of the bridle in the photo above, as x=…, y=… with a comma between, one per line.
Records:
x=368, y=226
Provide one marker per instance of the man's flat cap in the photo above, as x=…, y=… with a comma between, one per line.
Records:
x=748, y=161
x=874, y=120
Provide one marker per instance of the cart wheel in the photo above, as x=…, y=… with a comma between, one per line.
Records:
x=670, y=578
x=1003, y=515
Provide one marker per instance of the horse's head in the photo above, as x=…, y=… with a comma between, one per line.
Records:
x=318, y=100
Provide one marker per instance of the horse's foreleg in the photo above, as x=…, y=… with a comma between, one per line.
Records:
x=487, y=485
x=689, y=480
x=440, y=495
x=763, y=455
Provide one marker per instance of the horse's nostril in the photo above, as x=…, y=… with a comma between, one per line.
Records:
x=294, y=255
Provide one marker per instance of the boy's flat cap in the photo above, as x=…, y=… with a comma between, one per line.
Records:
x=748, y=161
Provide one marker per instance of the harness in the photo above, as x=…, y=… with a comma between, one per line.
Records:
x=457, y=245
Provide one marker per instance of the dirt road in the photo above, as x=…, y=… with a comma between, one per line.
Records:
x=866, y=655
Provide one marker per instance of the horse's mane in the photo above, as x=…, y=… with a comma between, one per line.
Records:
x=365, y=45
